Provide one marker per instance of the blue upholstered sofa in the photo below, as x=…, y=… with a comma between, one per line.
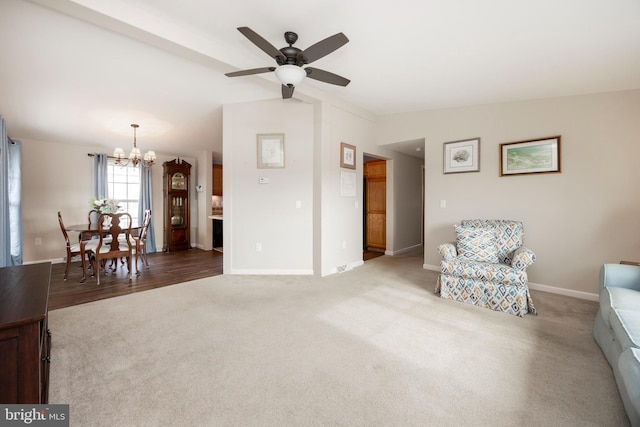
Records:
x=617, y=331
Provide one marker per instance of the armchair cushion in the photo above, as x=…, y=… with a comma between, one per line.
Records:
x=477, y=244
x=499, y=273
x=509, y=235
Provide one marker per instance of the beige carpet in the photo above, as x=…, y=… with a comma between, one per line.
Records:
x=370, y=347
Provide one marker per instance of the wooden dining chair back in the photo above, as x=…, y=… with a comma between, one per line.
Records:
x=72, y=249
x=141, y=239
x=108, y=246
x=92, y=218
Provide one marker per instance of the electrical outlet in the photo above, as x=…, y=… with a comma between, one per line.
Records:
x=38, y=241
x=258, y=247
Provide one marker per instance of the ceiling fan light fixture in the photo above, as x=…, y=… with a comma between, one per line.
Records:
x=290, y=75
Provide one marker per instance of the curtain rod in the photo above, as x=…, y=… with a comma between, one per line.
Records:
x=94, y=154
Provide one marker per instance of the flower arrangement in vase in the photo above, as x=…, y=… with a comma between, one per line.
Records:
x=104, y=205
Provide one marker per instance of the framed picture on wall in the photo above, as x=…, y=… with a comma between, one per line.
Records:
x=347, y=156
x=530, y=156
x=348, y=184
x=462, y=156
x=270, y=150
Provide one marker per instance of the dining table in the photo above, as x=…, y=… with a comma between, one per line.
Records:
x=93, y=228
x=87, y=231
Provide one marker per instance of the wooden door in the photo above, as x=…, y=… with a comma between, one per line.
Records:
x=376, y=204
x=217, y=180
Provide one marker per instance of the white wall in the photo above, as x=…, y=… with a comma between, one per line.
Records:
x=266, y=213
x=405, y=203
x=326, y=234
x=203, y=177
x=574, y=221
x=342, y=216
x=58, y=177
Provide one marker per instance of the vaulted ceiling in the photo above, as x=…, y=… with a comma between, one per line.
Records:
x=80, y=71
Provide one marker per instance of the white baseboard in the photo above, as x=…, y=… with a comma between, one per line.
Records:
x=52, y=261
x=346, y=267
x=561, y=291
x=544, y=288
x=403, y=250
x=300, y=272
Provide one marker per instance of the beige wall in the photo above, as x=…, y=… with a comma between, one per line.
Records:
x=574, y=221
x=326, y=233
x=342, y=217
x=58, y=177
x=266, y=214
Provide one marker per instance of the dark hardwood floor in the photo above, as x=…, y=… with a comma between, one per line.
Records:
x=367, y=255
x=165, y=268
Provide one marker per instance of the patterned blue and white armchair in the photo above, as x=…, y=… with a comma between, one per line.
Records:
x=486, y=266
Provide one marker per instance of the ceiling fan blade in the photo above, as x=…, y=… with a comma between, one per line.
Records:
x=287, y=91
x=322, y=48
x=325, y=76
x=249, y=72
x=266, y=47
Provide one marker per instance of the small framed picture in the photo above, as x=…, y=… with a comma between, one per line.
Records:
x=270, y=150
x=462, y=156
x=348, y=184
x=530, y=156
x=347, y=156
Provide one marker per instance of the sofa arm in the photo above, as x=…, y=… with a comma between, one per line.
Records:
x=448, y=251
x=620, y=276
x=523, y=258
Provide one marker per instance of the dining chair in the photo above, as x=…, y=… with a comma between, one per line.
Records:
x=72, y=249
x=108, y=246
x=92, y=217
x=141, y=240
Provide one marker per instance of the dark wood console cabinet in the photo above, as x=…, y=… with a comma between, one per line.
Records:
x=25, y=339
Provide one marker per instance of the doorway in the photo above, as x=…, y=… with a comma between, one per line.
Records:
x=375, y=205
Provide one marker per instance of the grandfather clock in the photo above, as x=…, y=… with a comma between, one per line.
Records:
x=176, y=205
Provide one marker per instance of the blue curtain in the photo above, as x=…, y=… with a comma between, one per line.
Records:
x=100, y=179
x=100, y=187
x=10, y=199
x=146, y=202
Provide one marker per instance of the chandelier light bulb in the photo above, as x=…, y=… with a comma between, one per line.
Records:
x=135, y=156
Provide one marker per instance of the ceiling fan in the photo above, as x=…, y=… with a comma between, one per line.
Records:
x=291, y=59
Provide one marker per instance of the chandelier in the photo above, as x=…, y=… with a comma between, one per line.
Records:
x=135, y=156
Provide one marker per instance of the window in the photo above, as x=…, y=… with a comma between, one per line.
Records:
x=124, y=186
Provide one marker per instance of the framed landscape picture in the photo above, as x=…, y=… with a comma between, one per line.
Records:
x=462, y=156
x=531, y=156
